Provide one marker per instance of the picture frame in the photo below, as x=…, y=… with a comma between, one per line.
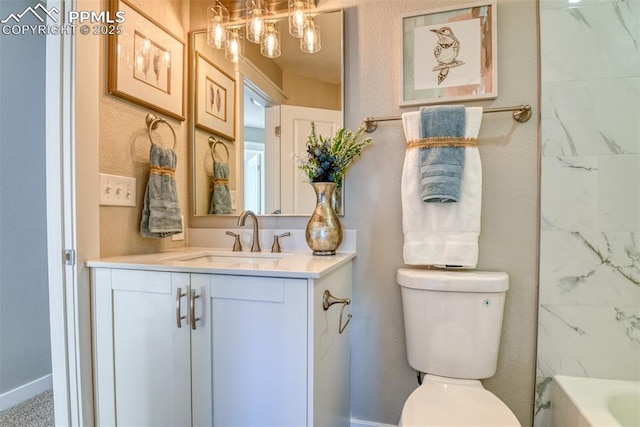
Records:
x=215, y=99
x=146, y=63
x=449, y=54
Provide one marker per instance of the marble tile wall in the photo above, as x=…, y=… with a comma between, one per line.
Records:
x=589, y=305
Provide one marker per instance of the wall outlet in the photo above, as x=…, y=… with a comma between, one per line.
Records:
x=117, y=190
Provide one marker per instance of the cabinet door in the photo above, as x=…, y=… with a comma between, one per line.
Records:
x=250, y=355
x=142, y=356
x=330, y=365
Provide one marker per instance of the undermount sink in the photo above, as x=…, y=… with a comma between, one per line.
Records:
x=228, y=258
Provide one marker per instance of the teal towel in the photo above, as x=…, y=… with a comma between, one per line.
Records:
x=220, y=194
x=161, y=211
x=441, y=167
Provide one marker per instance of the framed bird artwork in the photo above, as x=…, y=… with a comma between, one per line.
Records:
x=449, y=55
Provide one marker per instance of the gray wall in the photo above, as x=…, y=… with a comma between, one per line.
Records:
x=381, y=376
x=25, y=350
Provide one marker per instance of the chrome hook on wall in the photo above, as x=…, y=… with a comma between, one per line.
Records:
x=328, y=300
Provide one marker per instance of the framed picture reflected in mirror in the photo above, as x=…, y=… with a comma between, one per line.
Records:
x=215, y=99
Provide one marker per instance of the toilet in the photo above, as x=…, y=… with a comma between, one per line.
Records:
x=453, y=322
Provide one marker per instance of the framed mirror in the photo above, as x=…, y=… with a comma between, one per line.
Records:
x=251, y=121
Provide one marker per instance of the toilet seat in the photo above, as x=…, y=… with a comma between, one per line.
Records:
x=443, y=404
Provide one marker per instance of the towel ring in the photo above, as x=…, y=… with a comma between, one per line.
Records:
x=152, y=124
x=212, y=145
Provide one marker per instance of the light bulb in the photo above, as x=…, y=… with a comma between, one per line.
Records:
x=310, y=41
x=235, y=47
x=270, y=46
x=218, y=34
x=256, y=10
x=298, y=9
x=217, y=21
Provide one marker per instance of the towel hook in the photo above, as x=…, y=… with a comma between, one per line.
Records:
x=213, y=141
x=328, y=300
x=153, y=122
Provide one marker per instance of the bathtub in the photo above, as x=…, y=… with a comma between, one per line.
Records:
x=589, y=402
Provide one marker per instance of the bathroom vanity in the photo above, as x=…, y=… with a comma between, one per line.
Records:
x=206, y=337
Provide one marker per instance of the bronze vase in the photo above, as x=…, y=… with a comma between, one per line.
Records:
x=324, y=231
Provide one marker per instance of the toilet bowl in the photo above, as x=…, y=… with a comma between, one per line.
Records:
x=443, y=402
x=453, y=321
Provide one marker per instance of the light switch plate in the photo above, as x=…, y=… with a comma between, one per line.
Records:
x=117, y=190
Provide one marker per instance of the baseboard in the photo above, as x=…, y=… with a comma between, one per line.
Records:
x=25, y=392
x=360, y=423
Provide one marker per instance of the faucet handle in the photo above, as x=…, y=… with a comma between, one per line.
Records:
x=237, y=246
x=276, y=242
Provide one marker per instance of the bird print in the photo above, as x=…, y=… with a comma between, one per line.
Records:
x=446, y=52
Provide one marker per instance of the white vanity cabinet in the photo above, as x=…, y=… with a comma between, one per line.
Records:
x=208, y=349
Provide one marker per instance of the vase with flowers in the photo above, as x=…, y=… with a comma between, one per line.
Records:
x=325, y=162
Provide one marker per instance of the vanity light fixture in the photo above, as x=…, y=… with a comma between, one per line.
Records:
x=310, y=41
x=298, y=11
x=255, y=25
x=217, y=22
x=234, y=51
x=270, y=45
x=225, y=28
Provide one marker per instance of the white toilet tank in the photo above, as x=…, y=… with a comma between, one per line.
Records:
x=453, y=320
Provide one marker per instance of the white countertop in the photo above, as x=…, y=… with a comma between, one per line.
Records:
x=199, y=260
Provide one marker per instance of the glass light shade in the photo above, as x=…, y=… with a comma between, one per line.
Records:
x=234, y=51
x=310, y=41
x=270, y=45
x=256, y=13
x=217, y=22
x=298, y=10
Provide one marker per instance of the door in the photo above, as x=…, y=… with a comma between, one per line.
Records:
x=249, y=356
x=297, y=197
x=254, y=177
x=142, y=348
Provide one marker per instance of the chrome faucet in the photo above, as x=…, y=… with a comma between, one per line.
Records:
x=255, y=243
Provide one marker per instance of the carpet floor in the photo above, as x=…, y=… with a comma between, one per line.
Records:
x=35, y=412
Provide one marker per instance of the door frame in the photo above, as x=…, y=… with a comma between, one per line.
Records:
x=72, y=210
x=59, y=143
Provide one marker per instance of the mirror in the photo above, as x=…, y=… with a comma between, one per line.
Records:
x=274, y=102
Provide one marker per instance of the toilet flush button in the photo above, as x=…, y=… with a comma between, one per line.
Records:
x=487, y=303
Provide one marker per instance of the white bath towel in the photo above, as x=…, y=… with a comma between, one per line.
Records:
x=442, y=234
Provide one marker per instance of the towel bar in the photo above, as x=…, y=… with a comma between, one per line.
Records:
x=521, y=114
x=152, y=124
x=213, y=141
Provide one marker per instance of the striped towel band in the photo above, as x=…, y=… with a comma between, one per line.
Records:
x=442, y=141
x=158, y=170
